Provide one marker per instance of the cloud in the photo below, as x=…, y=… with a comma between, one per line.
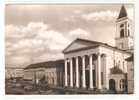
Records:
x=32, y=41
x=49, y=56
x=130, y=12
x=13, y=32
x=77, y=11
x=76, y=33
x=107, y=15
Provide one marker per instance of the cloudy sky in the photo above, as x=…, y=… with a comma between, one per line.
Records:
x=37, y=33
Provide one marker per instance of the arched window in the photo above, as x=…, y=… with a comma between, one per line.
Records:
x=122, y=33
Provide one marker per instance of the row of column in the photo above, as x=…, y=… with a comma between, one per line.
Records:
x=98, y=72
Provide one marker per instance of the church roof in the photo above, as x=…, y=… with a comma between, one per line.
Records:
x=88, y=44
x=123, y=12
x=48, y=64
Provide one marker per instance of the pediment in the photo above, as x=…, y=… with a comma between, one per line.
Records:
x=79, y=44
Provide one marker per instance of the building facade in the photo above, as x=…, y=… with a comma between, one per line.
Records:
x=130, y=75
x=97, y=65
x=51, y=70
x=13, y=72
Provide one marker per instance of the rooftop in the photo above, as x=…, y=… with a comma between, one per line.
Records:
x=48, y=64
x=92, y=44
x=123, y=12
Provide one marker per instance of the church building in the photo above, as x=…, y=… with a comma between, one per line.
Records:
x=96, y=65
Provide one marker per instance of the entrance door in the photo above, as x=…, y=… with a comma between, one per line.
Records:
x=112, y=84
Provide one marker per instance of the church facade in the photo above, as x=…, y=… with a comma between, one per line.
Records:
x=96, y=65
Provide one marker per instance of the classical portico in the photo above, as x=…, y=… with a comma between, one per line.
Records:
x=83, y=67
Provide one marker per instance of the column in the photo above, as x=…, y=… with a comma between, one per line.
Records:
x=71, y=73
x=77, y=72
x=66, y=82
x=90, y=72
x=83, y=72
x=99, y=72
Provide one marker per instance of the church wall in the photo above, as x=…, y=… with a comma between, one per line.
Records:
x=117, y=78
x=113, y=57
x=130, y=77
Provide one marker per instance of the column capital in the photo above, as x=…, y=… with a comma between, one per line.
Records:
x=76, y=57
x=83, y=56
x=98, y=54
x=90, y=55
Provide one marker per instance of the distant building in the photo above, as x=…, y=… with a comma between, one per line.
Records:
x=97, y=65
x=130, y=75
x=52, y=71
x=13, y=72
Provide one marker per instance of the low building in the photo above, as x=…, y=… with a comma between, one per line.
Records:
x=130, y=75
x=13, y=72
x=51, y=70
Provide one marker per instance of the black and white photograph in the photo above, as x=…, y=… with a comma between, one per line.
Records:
x=69, y=49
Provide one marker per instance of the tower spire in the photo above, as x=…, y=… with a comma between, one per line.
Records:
x=123, y=12
x=123, y=38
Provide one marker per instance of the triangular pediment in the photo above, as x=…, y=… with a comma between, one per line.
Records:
x=79, y=44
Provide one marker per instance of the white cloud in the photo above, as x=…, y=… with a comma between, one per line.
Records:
x=78, y=33
x=13, y=32
x=130, y=12
x=35, y=40
x=77, y=11
x=100, y=15
x=17, y=61
x=49, y=56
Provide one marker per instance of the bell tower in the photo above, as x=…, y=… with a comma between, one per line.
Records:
x=124, y=34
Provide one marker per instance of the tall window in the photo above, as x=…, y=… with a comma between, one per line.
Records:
x=114, y=63
x=123, y=65
x=119, y=64
x=122, y=84
x=128, y=32
x=101, y=78
x=122, y=33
